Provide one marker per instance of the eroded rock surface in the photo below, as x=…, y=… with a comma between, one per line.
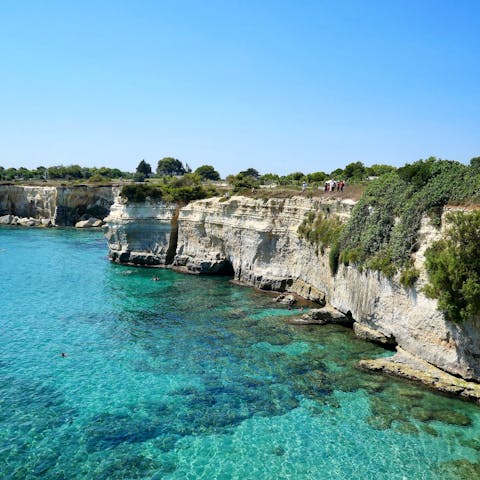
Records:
x=408, y=366
x=61, y=206
x=142, y=233
x=257, y=241
x=322, y=316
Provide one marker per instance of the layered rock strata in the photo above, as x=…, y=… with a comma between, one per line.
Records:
x=54, y=206
x=142, y=233
x=257, y=241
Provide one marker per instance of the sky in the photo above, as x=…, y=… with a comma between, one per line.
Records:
x=281, y=86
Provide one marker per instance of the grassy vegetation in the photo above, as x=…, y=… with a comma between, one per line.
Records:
x=383, y=230
x=320, y=229
x=409, y=277
x=323, y=231
x=453, y=267
x=181, y=190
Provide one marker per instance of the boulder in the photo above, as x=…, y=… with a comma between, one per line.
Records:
x=27, y=222
x=6, y=219
x=91, y=222
x=285, y=299
x=322, y=316
x=371, y=335
x=45, y=222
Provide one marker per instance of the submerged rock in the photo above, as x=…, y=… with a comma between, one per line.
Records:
x=402, y=364
x=257, y=241
x=321, y=316
x=285, y=299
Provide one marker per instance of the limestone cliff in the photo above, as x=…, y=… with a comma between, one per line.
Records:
x=257, y=241
x=142, y=233
x=60, y=205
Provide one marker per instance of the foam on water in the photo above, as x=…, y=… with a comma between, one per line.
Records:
x=192, y=377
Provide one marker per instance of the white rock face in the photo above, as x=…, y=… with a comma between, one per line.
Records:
x=26, y=201
x=62, y=205
x=257, y=241
x=140, y=233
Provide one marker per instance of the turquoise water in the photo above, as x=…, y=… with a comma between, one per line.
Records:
x=195, y=378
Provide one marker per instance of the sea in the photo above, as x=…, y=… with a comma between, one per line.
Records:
x=193, y=377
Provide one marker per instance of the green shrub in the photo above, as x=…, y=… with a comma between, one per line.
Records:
x=383, y=263
x=389, y=214
x=323, y=231
x=320, y=229
x=139, y=177
x=409, y=276
x=138, y=192
x=97, y=178
x=242, y=182
x=453, y=267
x=354, y=256
x=333, y=258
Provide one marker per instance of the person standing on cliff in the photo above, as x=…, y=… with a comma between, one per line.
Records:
x=304, y=186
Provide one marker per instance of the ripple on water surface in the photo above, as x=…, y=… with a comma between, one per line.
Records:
x=196, y=378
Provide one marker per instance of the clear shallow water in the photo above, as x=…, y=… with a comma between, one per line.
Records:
x=195, y=378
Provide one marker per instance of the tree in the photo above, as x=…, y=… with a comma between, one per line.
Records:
x=243, y=182
x=377, y=170
x=338, y=174
x=250, y=172
x=294, y=177
x=269, y=178
x=139, y=176
x=453, y=267
x=144, y=167
x=316, y=177
x=475, y=163
x=355, y=170
x=170, y=166
x=421, y=172
x=207, y=172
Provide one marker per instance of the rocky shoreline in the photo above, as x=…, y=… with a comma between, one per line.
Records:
x=256, y=242
x=85, y=221
x=401, y=364
x=82, y=206
x=404, y=365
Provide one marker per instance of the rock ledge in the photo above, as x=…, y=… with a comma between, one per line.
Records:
x=402, y=364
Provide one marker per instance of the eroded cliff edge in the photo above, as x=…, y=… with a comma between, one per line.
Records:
x=257, y=240
x=55, y=205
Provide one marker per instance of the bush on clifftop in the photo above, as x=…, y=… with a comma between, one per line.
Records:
x=138, y=192
x=453, y=267
x=385, y=222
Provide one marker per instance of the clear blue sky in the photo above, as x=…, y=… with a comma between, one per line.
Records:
x=278, y=85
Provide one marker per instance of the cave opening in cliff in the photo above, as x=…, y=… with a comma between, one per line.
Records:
x=226, y=269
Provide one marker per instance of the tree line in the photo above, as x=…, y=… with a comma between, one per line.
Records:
x=61, y=172
x=173, y=167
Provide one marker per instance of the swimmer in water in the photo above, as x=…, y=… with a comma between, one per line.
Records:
x=63, y=354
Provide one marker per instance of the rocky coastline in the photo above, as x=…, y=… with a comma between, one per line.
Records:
x=81, y=206
x=256, y=242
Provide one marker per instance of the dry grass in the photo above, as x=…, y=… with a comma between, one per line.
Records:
x=353, y=192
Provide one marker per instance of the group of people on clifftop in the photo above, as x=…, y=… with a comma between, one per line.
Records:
x=332, y=185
